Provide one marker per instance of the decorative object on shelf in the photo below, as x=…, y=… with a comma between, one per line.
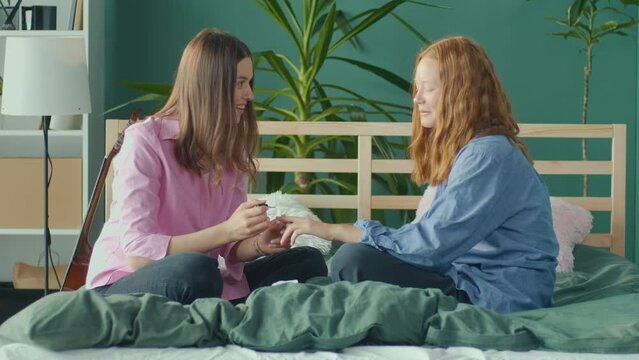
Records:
x=39, y=17
x=71, y=18
x=78, y=15
x=8, y=14
x=25, y=276
x=35, y=68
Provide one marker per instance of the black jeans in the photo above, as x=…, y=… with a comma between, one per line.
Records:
x=189, y=276
x=360, y=262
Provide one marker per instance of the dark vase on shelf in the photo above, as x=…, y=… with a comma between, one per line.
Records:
x=39, y=17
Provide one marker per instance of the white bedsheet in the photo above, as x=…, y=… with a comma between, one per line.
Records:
x=232, y=352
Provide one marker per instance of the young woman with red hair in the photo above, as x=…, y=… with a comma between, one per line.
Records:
x=488, y=237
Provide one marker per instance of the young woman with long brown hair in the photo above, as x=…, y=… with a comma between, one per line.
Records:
x=487, y=238
x=179, y=192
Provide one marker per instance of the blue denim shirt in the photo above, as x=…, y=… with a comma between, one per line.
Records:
x=489, y=228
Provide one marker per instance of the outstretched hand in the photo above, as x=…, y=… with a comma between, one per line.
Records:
x=268, y=242
x=296, y=226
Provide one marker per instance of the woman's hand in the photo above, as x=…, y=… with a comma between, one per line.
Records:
x=268, y=242
x=296, y=226
x=248, y=220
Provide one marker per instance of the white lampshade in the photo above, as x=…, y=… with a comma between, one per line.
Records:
x=45, y=76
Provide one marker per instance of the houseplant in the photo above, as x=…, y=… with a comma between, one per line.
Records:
x=583, y=22
x=317, y=29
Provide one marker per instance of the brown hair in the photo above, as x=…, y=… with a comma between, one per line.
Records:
x=210, y=138
x=473, y=102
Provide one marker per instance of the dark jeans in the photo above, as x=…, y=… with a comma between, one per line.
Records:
x=189, y=276
x=360, y=262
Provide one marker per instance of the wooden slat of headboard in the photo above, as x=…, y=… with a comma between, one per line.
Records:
x=307, y=165
x=404, y=166
x=599, y=240
x=404, y=129
x=322, y=201
x=618, y=190
x=565, y=131
x=364, y=178
x=334, y=128
x=365, y=201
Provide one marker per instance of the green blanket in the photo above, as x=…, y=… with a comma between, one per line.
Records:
x=596, y=310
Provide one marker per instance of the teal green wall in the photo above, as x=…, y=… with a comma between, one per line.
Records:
x=542, y=73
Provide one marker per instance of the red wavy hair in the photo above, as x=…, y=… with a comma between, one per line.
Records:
x=473, y=102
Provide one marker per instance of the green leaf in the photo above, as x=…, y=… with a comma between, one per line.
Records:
x=373, y=18
x=575, y=10
x=612, y=27
x=273, y=9
x=312, y=145
x=342, y=184
x=324, y=41
x=280, y=69
x=382, y=73
x=364, y=99
x=275, y=93
x=373, y=103
x=291, y=14
x=558, y=21
x=628, y=24
x=335, y=109
x=429, y=4
x=143, y=98
x=412, y=29
x=342, y=23
x=278, y=110
x=284, y=148
x=570, y=34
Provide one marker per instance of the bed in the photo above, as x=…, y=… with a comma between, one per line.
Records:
x=596, y=313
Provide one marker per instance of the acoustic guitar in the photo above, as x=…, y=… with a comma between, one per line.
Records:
x=76, y=274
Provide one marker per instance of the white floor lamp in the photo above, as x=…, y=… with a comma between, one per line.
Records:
x=45, y=76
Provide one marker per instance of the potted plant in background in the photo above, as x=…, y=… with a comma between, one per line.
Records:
x=583, y=23
x=317, y=29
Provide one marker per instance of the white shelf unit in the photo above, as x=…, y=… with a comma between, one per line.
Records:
x=30, y=143
x=38, y=232
x=20, y=138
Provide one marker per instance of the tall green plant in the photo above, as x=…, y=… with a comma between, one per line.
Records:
x=316, y=30
x=583, y=22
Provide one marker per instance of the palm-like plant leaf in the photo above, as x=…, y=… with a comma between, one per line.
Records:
x=371, y=19
x=382, y=73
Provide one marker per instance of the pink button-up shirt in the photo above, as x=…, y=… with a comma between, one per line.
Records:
x=154, y=198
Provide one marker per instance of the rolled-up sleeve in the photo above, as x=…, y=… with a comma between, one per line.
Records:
x=136, y=187
x=461, y=215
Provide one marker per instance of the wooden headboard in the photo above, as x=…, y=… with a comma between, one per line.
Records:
x=364, y=165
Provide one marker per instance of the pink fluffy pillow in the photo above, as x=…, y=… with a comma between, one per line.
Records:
x=571, y=224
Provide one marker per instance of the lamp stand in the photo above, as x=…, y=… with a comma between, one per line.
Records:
x=47, y=234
